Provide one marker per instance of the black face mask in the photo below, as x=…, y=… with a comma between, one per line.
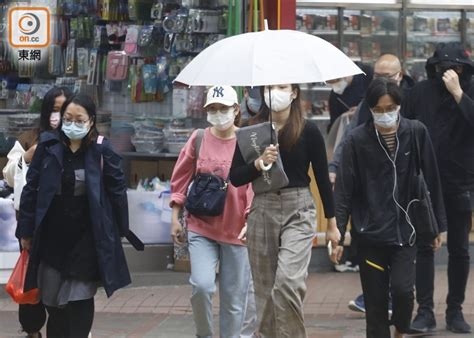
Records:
x=464, y=77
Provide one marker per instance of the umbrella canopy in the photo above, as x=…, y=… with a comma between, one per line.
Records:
x=268, y=57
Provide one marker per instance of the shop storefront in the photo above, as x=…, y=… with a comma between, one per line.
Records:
x=126, y=54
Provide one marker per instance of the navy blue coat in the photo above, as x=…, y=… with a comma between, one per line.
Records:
x=107, y=196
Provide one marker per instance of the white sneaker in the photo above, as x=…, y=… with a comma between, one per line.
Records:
x=346, y=267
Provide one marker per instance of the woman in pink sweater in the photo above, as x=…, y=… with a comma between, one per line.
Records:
x=214, y=239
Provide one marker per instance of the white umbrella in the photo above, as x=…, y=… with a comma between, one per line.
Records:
x=268, y=57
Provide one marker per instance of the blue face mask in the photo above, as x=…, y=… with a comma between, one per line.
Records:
x=74, y=132
x=254, y=105
x=386, y=120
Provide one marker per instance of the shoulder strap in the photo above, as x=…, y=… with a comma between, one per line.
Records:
x=100, y=139
x=130, y=236
x=197, y=147
x=417, y=151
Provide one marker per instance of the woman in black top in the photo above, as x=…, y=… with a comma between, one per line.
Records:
x=73, y=212
x=280, y=223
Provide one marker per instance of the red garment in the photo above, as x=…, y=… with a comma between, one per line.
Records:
x=215, y=157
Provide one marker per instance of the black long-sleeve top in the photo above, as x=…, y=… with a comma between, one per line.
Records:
x=310, y=149
x=68, y=243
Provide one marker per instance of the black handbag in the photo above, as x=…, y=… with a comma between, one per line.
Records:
x=207, y=194
x=421, y=210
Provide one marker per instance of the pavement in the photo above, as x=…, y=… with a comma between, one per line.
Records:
x=162, y=309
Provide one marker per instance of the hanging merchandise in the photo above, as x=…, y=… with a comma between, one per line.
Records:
x=117, y=66
x=25, y=69
x=100, y=37
x=70, y=56
x=4, y=90
x=146, y=36
x=116, y=33
x=205, y=21
x=113, y=10
x=5, y=65
x=91, y=76
x=156, y=12
x=140, y=9
x=162, y=76
x=150, y=73
x=175, y=23
x=82, y=62
x=132, y=80
x=131, y=41
x=22, y=96
x=180, y=102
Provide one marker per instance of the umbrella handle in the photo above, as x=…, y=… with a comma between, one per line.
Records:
x=265, y=167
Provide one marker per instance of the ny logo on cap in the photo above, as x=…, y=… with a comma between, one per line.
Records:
x=218, y=92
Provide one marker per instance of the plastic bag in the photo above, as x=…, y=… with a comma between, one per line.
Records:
x=16, y=283
x=20, y=182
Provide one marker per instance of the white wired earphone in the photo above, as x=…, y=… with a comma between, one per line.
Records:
x=412, y=239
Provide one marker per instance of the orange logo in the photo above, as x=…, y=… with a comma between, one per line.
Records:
x=29, y=27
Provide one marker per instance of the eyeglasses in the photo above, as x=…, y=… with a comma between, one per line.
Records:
x=381, y=110
x=388, y=76
x=79, y=124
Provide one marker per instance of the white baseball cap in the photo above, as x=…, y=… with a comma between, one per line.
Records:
x=225, y=95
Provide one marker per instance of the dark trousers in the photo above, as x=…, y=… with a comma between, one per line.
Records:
x=32, y=317
x=72, y=321
x=459, y=213
x=383, y=270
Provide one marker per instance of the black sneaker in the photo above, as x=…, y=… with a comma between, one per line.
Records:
x=423, y=323
x=455, y=323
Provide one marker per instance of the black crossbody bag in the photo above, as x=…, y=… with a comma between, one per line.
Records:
x=421, y=211
x=207, y=194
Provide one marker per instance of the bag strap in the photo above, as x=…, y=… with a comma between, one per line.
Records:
x=417, y=152
x=100, y=139
x=197, y=147
x=131, y=237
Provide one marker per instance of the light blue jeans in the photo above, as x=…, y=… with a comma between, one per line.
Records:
x=234, y=285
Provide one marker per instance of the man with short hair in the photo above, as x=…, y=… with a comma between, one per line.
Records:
x=348, y=92
x=389, y=66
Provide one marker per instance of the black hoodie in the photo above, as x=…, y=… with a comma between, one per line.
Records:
x=451, y=125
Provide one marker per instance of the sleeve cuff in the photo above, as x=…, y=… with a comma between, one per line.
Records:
x=177, y=198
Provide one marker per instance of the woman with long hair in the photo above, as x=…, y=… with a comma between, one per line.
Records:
x=281, y=223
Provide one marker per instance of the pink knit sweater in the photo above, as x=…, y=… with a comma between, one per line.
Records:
x=215, y=157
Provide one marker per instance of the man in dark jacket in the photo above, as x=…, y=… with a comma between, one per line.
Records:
x=445, y=104
x=347, y=92
x=388, y=66
x=374, y=187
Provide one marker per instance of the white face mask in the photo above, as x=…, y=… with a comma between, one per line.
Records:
x=54, y=119
x=222, y=119
x=386, y=120
x=281, y=100
x=339, y=86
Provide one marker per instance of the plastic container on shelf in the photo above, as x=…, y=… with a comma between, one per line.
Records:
x=147, y=145
x=175, y=147
x=150, y=216
x=176, y=138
